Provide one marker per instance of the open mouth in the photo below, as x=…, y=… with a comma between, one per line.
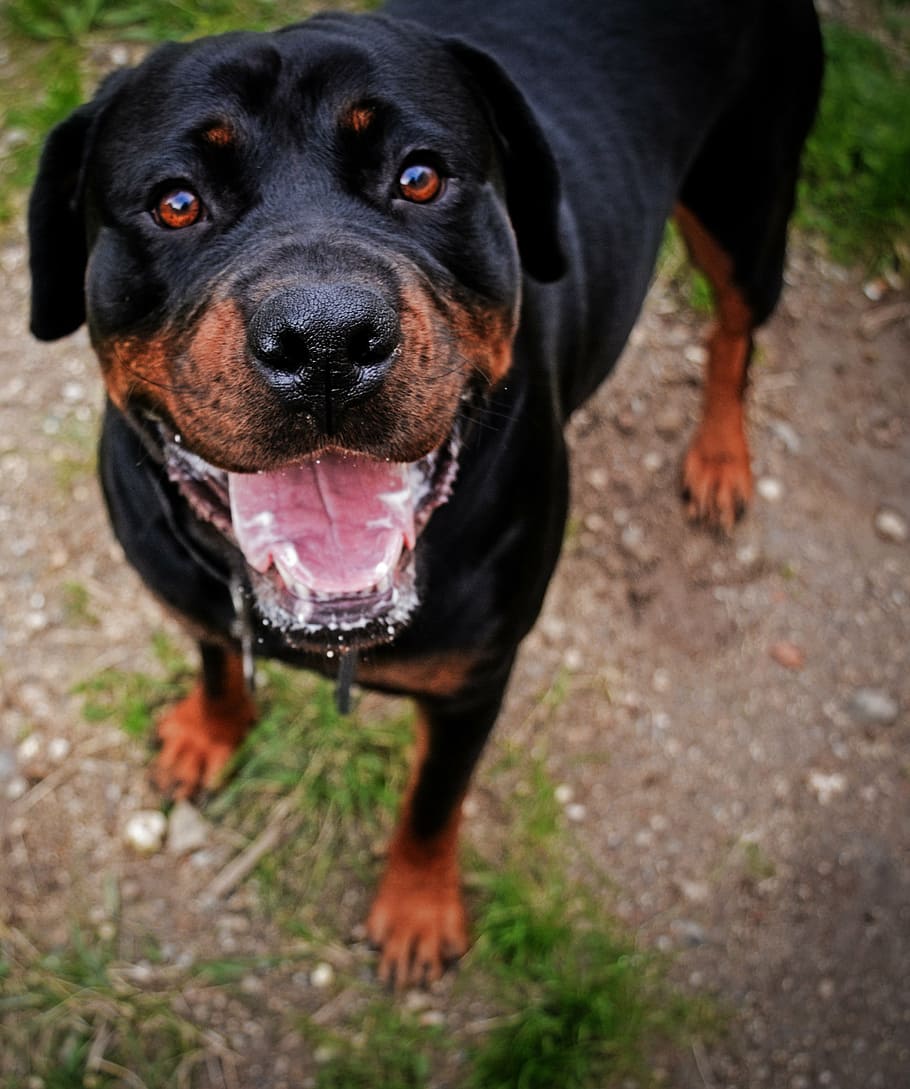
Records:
x=328, y=543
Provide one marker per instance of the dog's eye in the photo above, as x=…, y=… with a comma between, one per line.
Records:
x=420, y=183
x=178, y=208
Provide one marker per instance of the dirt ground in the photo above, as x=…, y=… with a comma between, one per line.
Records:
x=732, y=739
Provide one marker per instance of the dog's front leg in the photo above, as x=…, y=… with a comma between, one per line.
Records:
x=418, y=918
x=200, y=734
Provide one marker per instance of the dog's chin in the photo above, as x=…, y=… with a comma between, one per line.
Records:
x=326, y=548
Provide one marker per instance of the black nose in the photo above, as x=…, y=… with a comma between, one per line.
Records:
x=325, y=347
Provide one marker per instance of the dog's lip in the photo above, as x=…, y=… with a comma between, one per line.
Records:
x=286, y=596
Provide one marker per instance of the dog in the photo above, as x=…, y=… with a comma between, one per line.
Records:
x=347, y=282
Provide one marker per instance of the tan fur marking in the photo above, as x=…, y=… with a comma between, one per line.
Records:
x=716, y=474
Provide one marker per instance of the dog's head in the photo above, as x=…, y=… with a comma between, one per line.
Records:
x=298, y=254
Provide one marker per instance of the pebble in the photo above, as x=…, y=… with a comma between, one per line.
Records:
x=576, y=812
x=187, y=830
x=632, y=542
x=696, y=353
x=788, y=655
x=787, y=436
x=661, y=680
x=145, y=831
x=16, y=788
x=30, y=748
x=874, y=707
x=58, y=749
x=875, y=290
x=564, y=793
x=890, y=526
x=769, y=489
x=669, y=422
x=825, y=787
x=323, y=975
x=688, y=932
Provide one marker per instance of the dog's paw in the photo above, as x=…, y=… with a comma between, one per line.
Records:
x=418, y=922
x=717, y=478
x=198, y=737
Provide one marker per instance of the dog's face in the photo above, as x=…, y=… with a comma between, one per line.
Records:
x=303, y=255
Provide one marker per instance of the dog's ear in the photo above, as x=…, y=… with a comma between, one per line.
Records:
x=531, y=174
x=56, y=228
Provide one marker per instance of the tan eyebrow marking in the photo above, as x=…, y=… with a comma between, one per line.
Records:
x=218, y=135
x=358, y=118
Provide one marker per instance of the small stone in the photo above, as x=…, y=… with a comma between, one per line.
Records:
x=669, y=423
x=145, y=831
x=16, y=788
x=432, y=1019
x=788, y=655
x=825, y=787
x=626, y=421
x=697, y=892
x=572, y=659
x=787, y=435
x=58, y=749
x=875, y=289
x=688, y=932
x=661, y=680
x=653, y=461
x=632, y=542
x=187, y=830
x=874, y=707
x=30, y=749
x=470, y=808
x=696, y=353
x=564, y=793
x=598, y=478
x=323, y=975
x=769, y=489
x=576, y=812
x=890, y=526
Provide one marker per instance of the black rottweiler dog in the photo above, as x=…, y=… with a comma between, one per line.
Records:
x=348, y=280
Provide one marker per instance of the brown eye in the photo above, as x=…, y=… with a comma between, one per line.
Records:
x=420, y=183
x=178, y=208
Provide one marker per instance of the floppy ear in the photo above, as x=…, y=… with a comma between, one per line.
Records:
x=531, y=174
x=56, y=227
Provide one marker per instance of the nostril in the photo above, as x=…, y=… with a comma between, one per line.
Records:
x=280, y=350
x=370, y=343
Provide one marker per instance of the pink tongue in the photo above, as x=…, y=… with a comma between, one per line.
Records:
x=333, y=526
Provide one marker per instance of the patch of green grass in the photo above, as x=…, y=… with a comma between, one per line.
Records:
x=70, y=1019
x=47, y=86
x=674, y=266
x=151, y=20
x=757, y=864
x=77, y=605
x=386, y=1047
x=343, y=776
x=131, y=698
x=581, y=1006
x=855, y=188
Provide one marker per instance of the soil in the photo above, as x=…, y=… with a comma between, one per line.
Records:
x=727, y=717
